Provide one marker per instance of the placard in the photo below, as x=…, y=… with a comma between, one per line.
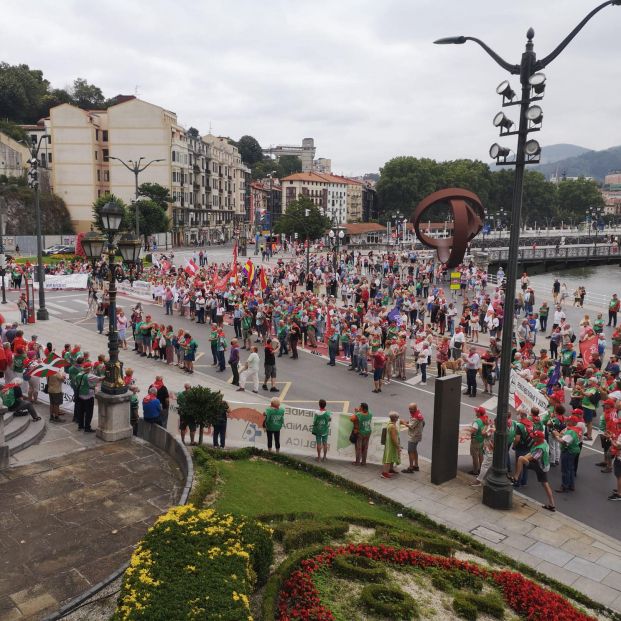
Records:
x=456, y=281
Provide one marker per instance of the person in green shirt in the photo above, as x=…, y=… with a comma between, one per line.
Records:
x=321, y=429
x=362, y=429
x=213, y=341
x=274, y=420
x=598, y=324
x=392, y=447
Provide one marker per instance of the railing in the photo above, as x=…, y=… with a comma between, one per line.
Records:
x=564, y=252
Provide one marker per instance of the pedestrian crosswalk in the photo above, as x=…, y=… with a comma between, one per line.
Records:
x=67, y=306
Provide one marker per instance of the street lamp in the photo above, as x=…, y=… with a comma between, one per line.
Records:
x=498, y=492
x=336, y=235
x=136, y=169
x=129, y=248
x=271, y=204
x=33, y=182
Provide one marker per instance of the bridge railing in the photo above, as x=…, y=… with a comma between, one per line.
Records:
x=563, y=252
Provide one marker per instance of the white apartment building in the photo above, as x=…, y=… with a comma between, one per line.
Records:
x=328, y=192
x=205, y=176
x=13, y=157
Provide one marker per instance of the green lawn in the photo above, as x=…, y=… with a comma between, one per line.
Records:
x=254, y=487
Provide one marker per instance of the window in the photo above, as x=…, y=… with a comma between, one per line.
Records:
x=33, y=138
x=174, y=156
x=105, y=155
x=49, y=158
x=98, y=175
x=96, y=134
x=105, y=135
x=49, y=139
x=43, y=160
x=106, y=175
x=96, y=155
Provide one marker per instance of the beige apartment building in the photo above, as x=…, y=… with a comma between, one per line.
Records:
x=205, y=176
x=13, y=157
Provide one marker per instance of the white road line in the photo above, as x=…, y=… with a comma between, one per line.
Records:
x=53, y=311
x=413, y=380
x=80, y=301
x=62, y=308
x=490, y=404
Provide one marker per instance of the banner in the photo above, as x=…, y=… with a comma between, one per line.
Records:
x=139, y=289
x=64, y=281
x=244, y=429
x=455, y=281
x=588, y=347
x=522, y=392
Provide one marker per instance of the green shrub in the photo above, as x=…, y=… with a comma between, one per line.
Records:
x=462, y=579
x=389, y=601
x=268, y=518
x=195, y=564
x=296, y=535
x=490, y=604
x=359, y=568
x=425, y=542
x=440, y=582
x=205, y=475
x=464, y=608
x=269, y=605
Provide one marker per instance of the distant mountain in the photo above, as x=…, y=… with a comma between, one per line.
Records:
x=596, y=164
x=556, y=152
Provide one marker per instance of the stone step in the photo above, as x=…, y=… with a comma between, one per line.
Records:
x=8, y=417
x=17, y=425
x=31, y=435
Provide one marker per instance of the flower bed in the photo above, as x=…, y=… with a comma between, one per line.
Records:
x=299, y=599
x=195, y=564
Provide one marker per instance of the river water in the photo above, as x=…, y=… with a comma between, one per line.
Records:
x=600, y=283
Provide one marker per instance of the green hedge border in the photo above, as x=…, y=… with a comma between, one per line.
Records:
x=359, y=568
x=472, y=544
x=404, y=608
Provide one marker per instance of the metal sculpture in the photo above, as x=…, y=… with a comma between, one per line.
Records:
x=468, y=216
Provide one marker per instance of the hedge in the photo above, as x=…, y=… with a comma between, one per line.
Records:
x=389, y=601
x=295, y=535
x=195, y=564
x=205, y=476
x=468, y=542
x=359, y=568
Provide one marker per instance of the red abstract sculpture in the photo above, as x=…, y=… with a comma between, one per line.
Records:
x=468, y=216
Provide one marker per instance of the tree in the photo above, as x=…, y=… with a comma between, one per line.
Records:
x=21, y=92
x=193, y=132
x=202, y=405
x=12, y=130
x=98, y=205
x=288, y=164
x=250, y=150
x=295, y=220
x=540, y=202
x=155, y=192
x=85, y=95
x=151, y=218
x=263, y=168
x=576, y=196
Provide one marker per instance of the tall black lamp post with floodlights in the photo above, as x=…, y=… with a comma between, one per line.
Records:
x=498, y=491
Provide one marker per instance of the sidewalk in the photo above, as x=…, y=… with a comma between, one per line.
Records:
x=552, y=543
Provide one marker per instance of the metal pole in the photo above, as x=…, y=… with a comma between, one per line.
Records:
x=2, y=256
x=137, y=215
x=113, y=382
x=42, y=314
x=498, y=491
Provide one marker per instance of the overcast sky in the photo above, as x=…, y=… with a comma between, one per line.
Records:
x=361, y=77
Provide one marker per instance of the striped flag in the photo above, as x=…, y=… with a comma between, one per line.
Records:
x=262, y=279
x=554, y=378
x=249, y=271
x=53, y=363
x=190, y=267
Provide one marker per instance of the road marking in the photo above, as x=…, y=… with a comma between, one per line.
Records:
x=200, y=355
x=285, y=390
x=62, y=308
x=79, y=301
x=491, y=403
x=413, y=381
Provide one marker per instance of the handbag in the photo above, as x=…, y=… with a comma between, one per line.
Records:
x=353, y=437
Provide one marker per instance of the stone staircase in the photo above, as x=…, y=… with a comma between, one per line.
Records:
x=20, y=432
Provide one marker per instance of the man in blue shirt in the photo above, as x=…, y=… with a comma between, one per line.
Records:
x=152, y=407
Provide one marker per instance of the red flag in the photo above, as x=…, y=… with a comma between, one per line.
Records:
x=262, y=279
x=588, y=347
x=222, y=283
x=190, y=267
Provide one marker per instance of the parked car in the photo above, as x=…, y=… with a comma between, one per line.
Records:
x=52, y=249
x=66, y=250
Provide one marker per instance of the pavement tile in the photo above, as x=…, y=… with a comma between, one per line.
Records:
x=587, y=552
x=550, y=553
x=459, y=503
x=610, y=560
x=8, y=610
x=518, y=541
x=597, y=591
x=613, y=579
x=587, y=569
x=548, y=536
x=558, y=573
x=512, y=525
x=538, y=519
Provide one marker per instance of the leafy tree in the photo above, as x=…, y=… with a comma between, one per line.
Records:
x=98, y=205
x=576, y=196
x=250, y=150
x=151, y=218
x=203, y=405
x=85, y=95
x=288, y=164
x=540, y=200
x=193, y=132
x=295, y=220
x=155, y=192
x=263, y=168
x=21, y=92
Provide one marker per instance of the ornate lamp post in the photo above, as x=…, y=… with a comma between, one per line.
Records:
x=336, y=234
x=113, y=399
x=498, y=492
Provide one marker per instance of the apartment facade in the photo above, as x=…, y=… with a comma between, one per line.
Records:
x=205, y=176
x=13, y=157
x=328, y=192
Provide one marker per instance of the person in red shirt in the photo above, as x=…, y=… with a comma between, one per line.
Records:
x=379, y=362
x=19, y=341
